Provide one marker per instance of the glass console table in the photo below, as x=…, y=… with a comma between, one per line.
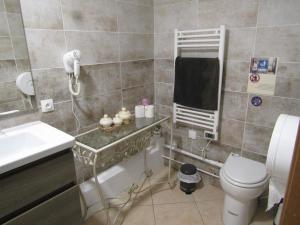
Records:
x=134, y=136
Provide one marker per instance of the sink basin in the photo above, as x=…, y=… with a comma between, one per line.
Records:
x=29, y=142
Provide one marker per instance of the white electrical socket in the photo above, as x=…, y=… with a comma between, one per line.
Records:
x=192, y=134
x=47, y=105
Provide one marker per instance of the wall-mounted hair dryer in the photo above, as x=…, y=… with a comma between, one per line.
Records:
x=71, y=62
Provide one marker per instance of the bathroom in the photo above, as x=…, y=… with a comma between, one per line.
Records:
x=127, y=52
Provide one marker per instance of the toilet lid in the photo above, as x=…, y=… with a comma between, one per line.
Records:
x=244, y=171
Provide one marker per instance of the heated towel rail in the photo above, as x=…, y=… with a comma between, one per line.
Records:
x=201, y=42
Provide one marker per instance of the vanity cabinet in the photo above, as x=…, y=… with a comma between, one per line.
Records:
x=41, y=193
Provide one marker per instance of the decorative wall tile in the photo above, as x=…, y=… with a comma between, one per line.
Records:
x=44, y=14
x=282, y=42
x=278, y=12
x=232, y=13
x=135, y=18
x=94, y=15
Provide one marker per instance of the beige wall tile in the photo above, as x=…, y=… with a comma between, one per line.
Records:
x=44, y=14
x=100, y=79
x=182, y=15
x=135, y=18
x=3, y=25
x=95, y=47
x=136, y=46
x=137, y=73
x=277, y=12
x=6, y=51
x=12, y=6
x=46, y=48
x=236, y=76
x=231, y=133
x=15, y=23
x=133, y=96
x=2, y=9
x=51, y=83
x=254, y=156
x=267, y=114
x=164, y=70
x=8, y=70
x=280, y=42
x=90, y=15
x=164, y=94
x=139, y=2
x=20, y=47
x=234, y=105
x=240, y=43
x=257, y=139
x=164, y=46
x=232, y=13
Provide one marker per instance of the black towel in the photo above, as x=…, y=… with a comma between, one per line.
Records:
x=197, y=82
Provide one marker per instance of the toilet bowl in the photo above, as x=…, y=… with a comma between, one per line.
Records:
x=243, y=181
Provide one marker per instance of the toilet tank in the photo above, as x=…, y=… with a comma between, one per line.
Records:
x=281, y=148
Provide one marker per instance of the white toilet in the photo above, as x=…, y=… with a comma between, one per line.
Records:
x=244, y=180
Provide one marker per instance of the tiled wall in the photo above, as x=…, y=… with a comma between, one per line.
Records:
x=13, y=56
x=255, y=28
x=116, y=42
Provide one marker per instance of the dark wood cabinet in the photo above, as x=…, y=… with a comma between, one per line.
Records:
x=43, y=192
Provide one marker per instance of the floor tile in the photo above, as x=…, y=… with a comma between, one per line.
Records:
x=211, y=211
x=208, y=192
x=139, y=215
x=177, y=214
x=163, y=194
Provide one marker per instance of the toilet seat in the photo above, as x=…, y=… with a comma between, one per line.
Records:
x=243, y=172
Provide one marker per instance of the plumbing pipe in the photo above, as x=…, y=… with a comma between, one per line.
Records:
x=189, y=154
x=203, y=171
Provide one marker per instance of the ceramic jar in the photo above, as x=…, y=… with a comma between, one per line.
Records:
x=117, y=120
x=125, y=115
x=106, y=121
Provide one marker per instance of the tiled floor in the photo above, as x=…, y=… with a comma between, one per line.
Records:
x=160, y=205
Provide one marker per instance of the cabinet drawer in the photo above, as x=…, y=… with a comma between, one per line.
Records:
x=28, y=186
x=63, y=209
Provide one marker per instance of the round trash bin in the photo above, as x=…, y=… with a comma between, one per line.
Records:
x=188, y=177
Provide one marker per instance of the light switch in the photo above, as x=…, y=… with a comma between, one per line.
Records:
x=47, y=105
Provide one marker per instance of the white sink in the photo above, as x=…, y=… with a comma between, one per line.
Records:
x=29, y=142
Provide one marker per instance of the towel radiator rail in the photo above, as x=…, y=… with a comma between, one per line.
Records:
x=204, y=39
